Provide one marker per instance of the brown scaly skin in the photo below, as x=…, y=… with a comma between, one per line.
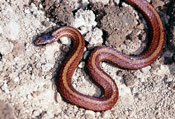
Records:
x=110, y=97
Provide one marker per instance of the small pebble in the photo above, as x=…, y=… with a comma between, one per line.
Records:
x=5, y=88
x=65, y=40
x=58, y=97
x=84, y=18
x=13, y=30
x=6, y=47
x=27, y=11
x=1, y=31
x=81, y=65
x=36, y=113
x=89, y=114
x=94, y=37
x=40, y=6
x=106, y=115
x=117, y=1
x=146, y=69
x=103, y=1
x=140, y=26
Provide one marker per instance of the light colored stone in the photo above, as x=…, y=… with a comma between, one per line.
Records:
x=117, y=1
x=81, y=65
x=13, y=29
x=27, y=11
x=124, y=4
x=34, y=8
x=6, y=47
x=84, y=19
x=94, y=37
x=89, y=114
x=47, y=67
x=140, y=26
x=106, y=115
x=36, y=113
x=146, y=69
x=163, y=69
x=1, y=30
x=5, y=88
x=102, y=1
x=124, y=92
x=40, y=6
x=65, y=40
x=50, y=50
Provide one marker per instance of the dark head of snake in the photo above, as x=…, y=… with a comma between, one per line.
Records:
x=45, y=38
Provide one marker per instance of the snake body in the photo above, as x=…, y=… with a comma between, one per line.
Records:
x=99, y=54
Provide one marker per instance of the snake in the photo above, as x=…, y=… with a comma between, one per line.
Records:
x=110, y=93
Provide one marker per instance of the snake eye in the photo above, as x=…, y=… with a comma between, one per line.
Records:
x=45, y=38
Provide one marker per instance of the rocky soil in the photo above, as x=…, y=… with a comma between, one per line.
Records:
x=27, y=72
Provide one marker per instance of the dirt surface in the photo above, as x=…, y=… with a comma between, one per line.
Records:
x=27, y=72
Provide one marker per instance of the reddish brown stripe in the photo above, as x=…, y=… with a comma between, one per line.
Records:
x=100, y=54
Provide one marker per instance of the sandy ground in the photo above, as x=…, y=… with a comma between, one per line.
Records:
x=27, y=72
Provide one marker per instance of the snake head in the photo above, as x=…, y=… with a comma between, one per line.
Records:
x=45, y=38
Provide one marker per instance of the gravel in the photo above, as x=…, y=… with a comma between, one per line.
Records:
x=27, y=72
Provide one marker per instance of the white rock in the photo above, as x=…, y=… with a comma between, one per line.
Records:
x=84, y=18
x=164, y=69
x=13, y=29
x=81, y=65
x=94, y=37
x=117, y=1
x=27, y=11
x=146, y=69
x=50, y=50
x=36, y=112
x=40, y=6
x=102, y=1
x=47, y=67
x=1, y=30
x=5, y=88
x=6, y=47
x=124, y=4
x=90, y=114
x=106, y=115
x=34, y=7
x=168, y=80
x=124, y=92
x=65, y=40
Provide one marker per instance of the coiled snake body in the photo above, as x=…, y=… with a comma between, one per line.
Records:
x=103, y=53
